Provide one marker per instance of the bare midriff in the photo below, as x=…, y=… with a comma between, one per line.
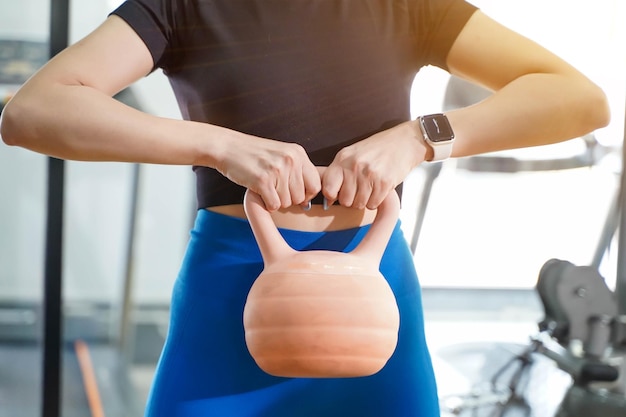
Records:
x=314, y=220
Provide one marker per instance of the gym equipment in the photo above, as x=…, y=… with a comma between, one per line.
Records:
x=583, y=331
x=584, y=334
x=321, y=313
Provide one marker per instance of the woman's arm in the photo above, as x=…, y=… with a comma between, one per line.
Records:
x=66, y=110
x=538, y=99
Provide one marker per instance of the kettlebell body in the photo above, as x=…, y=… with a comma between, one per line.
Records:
x=321, y=313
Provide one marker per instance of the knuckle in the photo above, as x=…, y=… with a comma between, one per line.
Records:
x=366, y=168
x=372, y=205
x=345, y=201
x=264, y=179
x=329, y=193
x=288, y=159
x=272, y=206
x=386, y=183
x=293, y=152
x=298, y=197
x=314, y=192
x=298, y=148
x=286, y=203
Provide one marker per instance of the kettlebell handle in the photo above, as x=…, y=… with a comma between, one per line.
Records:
x=274, y=248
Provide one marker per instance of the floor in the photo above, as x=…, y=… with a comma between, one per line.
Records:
x=468, y=355
x=467, y=352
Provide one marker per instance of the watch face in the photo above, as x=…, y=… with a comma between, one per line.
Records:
x=437, y=128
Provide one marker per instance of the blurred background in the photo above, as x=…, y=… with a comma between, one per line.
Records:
x=480, y=228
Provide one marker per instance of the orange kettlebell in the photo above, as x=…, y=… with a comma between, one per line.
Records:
x=321, y=313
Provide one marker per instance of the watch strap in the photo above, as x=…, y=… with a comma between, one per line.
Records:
x=441, y=151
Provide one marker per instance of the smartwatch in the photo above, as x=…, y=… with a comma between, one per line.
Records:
x=438, y=135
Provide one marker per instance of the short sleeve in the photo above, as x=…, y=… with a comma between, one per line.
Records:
x=438, y=24
x=153, y=21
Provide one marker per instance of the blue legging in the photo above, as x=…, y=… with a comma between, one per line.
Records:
x=205, y=369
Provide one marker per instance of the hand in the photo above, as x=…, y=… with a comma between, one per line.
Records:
x=281, y=173
x=362, y=174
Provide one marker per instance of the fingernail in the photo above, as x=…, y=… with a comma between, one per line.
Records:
x=307, y=207
x=325, y=204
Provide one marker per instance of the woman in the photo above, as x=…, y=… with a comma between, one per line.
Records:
x=270, y=90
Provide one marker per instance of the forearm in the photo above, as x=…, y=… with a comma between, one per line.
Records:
x=532, y=110
x=80, y=123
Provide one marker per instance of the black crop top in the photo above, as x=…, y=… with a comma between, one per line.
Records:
x=321, y=73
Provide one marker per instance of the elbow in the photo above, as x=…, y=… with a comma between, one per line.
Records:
x=9, y=124
x=597, y=110
x=17, y=127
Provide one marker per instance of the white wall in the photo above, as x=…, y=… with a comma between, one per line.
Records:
x=497, y=230
x=98, y=196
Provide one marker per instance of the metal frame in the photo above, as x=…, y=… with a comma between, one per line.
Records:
x=53, y=283
x=620, y=283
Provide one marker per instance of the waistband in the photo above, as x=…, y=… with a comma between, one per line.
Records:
x=221, y=226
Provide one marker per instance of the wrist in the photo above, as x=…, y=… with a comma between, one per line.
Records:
x=424, y=149
x=211, y=144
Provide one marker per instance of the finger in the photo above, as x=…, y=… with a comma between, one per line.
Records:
x=381, y=186
x=282, y=189
x=332, y=178
x=348, y=189
x=312, y=182
x=296, y=188
x=363, y=192
x=270, y=197
x=378, y=195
